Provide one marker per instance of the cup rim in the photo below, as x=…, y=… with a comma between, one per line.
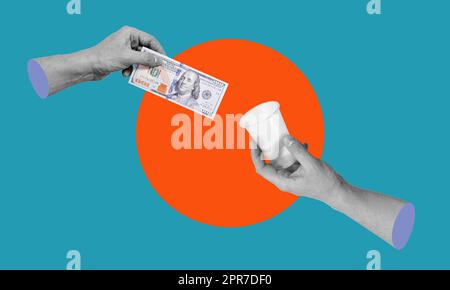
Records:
x=275, y=106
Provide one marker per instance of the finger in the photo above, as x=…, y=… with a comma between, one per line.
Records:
x=256, y=157
x=127, y=72
x=272, y=175
x=266, y=170
x=284, y=173
x=148, y=40
x=297, y=149
x=145, y=58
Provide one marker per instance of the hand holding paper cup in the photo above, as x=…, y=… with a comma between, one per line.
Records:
x=266, y=126
x=389, y=218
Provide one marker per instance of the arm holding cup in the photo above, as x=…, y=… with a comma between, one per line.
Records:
x=389, y=218
x=292, y=169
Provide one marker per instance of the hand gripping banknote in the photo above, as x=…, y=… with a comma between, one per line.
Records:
x=180, y=84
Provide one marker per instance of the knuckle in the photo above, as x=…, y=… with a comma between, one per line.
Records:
x=282, y=186
x=287, y=188
x=151, y=59
x=127, y=28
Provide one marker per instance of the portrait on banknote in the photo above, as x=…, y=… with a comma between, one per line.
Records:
x=186, y=90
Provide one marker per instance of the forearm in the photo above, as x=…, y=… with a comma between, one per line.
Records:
x=389, y=218
x=52, y=74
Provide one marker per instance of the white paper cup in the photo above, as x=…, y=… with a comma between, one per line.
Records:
x=266, y=126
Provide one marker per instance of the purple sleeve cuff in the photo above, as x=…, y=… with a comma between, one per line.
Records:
x=403, y=226
x=38, y=79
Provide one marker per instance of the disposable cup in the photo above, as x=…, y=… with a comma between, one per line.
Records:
x=266, y=126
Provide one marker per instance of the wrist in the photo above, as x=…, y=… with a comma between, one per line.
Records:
x=337, y=196
x=90, y=63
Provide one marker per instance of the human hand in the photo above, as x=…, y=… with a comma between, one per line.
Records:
x=314, y=178
x=121, y=50
x=389, y=218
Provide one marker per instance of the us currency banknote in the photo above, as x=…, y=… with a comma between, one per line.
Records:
x=180, y=84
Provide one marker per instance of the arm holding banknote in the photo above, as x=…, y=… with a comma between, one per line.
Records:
x=389, y=218
x=118, y=52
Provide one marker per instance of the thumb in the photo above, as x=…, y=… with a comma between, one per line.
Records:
x=297, y=149
x=144, y=58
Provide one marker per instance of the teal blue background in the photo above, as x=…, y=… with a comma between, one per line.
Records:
x=70, y=176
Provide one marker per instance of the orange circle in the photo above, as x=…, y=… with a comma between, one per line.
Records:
x=220, y=187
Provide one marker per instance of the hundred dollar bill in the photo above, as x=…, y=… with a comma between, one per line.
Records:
x=180, y=84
